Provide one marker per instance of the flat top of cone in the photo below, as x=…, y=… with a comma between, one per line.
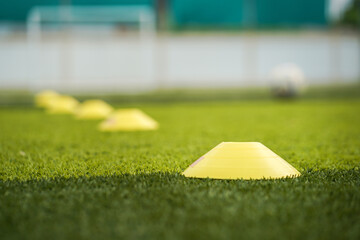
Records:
x=240, y=160
x=62, y=104
x=42, y=99
x=93, y=109
x=128, y=120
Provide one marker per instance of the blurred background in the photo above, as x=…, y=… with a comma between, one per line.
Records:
x=132, y=46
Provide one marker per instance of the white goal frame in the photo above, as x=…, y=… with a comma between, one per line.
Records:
x=68, y=15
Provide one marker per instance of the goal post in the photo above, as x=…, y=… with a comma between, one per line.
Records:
x=131, y=28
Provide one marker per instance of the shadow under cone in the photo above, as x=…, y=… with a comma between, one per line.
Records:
x=128, y=120
x=93, y=109
x=240, y=160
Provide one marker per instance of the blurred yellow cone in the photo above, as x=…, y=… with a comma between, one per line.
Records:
x=62, y=105
x=43, y=98
x=93, y=109
x=240, y=160
x=128, y=120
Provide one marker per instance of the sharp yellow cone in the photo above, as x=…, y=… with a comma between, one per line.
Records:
x=128, y=120
x=240, y=160
x=43, y=98
x=62, y=105
x=93, y=109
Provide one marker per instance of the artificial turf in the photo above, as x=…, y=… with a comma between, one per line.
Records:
x=63, y=179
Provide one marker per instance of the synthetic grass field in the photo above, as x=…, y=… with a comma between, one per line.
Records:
x=62, y=179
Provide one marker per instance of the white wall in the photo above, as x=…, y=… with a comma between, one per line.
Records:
x=121, y=64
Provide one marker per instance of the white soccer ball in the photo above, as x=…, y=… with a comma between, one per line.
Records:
x=287, y=80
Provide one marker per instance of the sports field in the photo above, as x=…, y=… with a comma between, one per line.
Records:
x=60, y=178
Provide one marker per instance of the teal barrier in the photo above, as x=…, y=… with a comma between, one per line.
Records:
x=248, y=13
x=291, y=12
x=188, y=13
x=207, y=12
x=17, y=10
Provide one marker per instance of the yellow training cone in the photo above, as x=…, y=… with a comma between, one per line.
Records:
x=62, y=105
x=93, y=109
x=128, y=120
x=240, y=160
x=43, y=98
